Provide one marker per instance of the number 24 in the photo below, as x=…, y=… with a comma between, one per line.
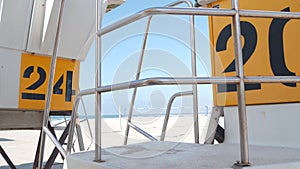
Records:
x=42, y=78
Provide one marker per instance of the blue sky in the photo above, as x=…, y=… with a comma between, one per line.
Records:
x=167, y=55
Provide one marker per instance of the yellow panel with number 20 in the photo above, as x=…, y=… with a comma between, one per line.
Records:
x=34, y=75
x=270, y=47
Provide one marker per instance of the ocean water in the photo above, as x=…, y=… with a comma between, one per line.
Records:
x=139, y=112
x=203, y=110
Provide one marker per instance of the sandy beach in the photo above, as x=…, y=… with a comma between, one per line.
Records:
x=20, y=145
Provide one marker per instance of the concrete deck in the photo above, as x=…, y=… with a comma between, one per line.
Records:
x=164, y=155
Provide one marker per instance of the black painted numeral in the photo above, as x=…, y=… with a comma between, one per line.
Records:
x=35, y=85
x=276, y=49
x=69, y=91
x=250, y=41
x=56, y=88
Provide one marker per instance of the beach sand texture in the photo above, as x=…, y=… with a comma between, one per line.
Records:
x=20, y=145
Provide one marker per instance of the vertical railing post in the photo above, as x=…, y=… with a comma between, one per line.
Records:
x=98, y=57
x=194, y=74
x=137, y=76
x=49, y=88
x=72, y=125
x=236, y=29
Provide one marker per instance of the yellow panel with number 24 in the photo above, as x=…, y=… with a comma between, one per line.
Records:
x=34, y=76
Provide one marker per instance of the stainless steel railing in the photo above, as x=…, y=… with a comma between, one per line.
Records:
x=126, y=21
x=235, y=13
x=238, y=55
x=168, y=111
x=194, y=73
x=239, y=79
x=98, y=79
x=49, y=90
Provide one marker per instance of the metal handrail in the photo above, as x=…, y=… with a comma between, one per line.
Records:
x=141, y=131
x=238, y=56
x=88, y=123
x=136, y=78
x=269, y=14
x=197, y=11
x=55, y=142
x=165, y=10
x=168, y=112
x=240, y=79
x=174, y=81
x=188, y=80
x=141, y=59
x=98, y=80
x=49, y=88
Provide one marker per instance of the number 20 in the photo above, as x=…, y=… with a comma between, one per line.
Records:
x=249, y=33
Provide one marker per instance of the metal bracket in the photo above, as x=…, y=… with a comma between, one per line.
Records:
x=213, y=126
x=7, y=159
x=239, y=165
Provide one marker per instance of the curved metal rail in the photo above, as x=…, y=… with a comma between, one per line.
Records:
x=168, y=111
